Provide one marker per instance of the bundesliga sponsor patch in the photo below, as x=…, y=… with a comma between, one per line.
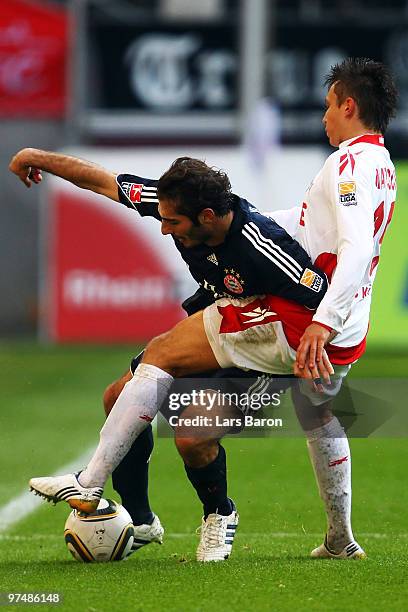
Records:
x=347, y=193
x=312, y=280
x=133, y=191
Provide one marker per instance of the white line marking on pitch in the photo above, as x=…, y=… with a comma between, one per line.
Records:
x=283, y=534
x=277, y=535
x=24, y=504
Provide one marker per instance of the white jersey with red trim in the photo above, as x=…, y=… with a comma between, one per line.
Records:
x=346, y=212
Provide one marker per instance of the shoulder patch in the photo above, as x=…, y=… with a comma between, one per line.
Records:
x=133, y=191
x=312, y=280
x=347, y=193
x=346, y=187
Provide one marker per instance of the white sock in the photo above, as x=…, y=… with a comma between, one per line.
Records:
x=134, y=409
x=330, y=455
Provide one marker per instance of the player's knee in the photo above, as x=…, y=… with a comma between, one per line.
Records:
x=160, y=353
x=196, y=452
x=189, y=448
x=309, y=416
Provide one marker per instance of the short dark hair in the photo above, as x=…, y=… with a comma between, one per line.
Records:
x=193, y=186
x=371, y=85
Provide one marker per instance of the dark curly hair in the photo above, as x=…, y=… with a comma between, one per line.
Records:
x=193, y=186
x=371, y=85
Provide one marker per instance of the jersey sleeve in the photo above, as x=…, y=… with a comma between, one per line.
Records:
x=282, y=266
x=139, y=194
x=349, y=191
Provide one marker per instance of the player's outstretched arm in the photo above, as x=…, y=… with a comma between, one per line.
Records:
x=28, y=164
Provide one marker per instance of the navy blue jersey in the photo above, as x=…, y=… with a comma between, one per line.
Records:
x=257, y=256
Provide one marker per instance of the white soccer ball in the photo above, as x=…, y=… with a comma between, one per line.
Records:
x=105, y=535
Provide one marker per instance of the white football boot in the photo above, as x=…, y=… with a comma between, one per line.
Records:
x=67, y=488
x=352, y=551
x=146, y=534
x=217, y=536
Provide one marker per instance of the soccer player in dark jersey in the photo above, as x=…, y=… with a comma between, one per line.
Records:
x=231, y=250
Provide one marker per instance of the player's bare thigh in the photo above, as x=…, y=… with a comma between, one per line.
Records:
x=182, y=350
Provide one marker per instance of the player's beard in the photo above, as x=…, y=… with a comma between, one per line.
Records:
x=197, y=235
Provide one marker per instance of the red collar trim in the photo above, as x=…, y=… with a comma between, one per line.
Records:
x=375, y=139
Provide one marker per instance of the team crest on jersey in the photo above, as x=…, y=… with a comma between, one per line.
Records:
x=312, y=280
x=347, y=193
x=133, y=191
x=233, y=281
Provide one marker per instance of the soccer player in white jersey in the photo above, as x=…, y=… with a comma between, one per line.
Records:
x=343, y=219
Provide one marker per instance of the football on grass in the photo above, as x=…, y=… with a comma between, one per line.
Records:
x=104, y=535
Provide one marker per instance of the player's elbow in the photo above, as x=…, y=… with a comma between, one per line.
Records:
x=357, y=256
x=363, y=260
x=364, y=251
x=364, y=246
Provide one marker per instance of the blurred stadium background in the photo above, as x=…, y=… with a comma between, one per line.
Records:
x=135, y=83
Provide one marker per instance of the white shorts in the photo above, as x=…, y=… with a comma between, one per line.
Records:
x=244, y=334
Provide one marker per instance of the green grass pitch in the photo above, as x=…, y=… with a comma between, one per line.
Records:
x=51, y=412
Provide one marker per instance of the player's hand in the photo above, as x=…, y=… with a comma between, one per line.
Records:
x=311, y=346
x=20, y=166
x=320, y=371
